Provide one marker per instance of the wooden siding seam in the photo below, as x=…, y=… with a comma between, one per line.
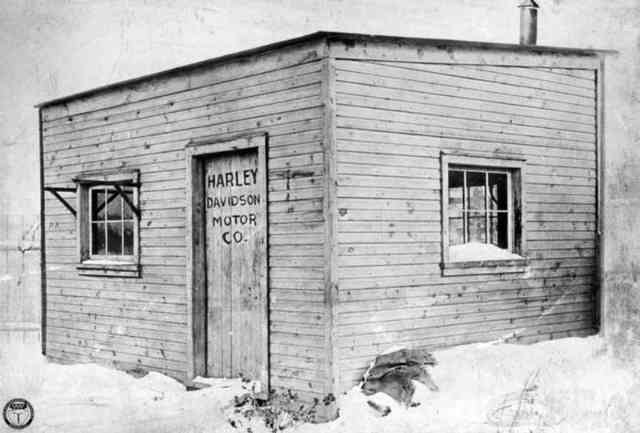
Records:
x=378, y=138
x=572, y=82
x=497, y=107
x=157, y=148
x=345, y=68
x=207, y=120
x=424, y=68
x=297, y=115
x=415, y=122
x=474, y=95
x=190, y=114
x=557, y=317
x=99, y=119
x=281, y=130
x=434, y=113
x=434, y=135
x=153, y=161
x=181, y=115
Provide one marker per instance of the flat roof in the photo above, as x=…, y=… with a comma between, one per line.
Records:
x=339, y=36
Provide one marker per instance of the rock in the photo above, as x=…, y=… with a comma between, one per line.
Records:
x=393, y=373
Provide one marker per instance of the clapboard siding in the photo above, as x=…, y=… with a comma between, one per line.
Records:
x=214, y=97
x=392, y=121
x=143, y=322
x=532, y=329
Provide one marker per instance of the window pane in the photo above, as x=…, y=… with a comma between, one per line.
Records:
x=127, y=212
x=456, y=231
x=456, y=189
x=475, y=190
x=476, y=227
x=114, y=238
x=97, y=204
x=499, y=229
x=97, y=239
x=128, y=238
x=498, y=191
x=114, y=206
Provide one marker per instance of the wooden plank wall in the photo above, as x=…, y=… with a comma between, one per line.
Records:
x=393, y=119
x=19, y=272
x=142, y=322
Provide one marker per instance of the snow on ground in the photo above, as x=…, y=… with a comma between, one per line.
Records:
x=573, y=386
x=91, y=398
x=568, y=385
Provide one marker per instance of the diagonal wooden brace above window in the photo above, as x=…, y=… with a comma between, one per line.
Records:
x=56, y=192
x=117, y=185
x=117, y=181
x=127, y=200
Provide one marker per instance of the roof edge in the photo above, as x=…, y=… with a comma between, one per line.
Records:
x=205, y=62
x=460, y=43
x=331, y=36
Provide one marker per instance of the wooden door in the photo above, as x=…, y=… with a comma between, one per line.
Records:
x=236, y=264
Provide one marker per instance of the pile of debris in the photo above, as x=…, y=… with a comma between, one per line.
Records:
x=393, y=373
x=257, y=411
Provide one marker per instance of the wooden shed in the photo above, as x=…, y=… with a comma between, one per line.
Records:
x=288, y=212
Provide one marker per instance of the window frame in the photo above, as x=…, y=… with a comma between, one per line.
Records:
x=516, y=167
x=465, y=210
x=105, y=265
x=124, y=258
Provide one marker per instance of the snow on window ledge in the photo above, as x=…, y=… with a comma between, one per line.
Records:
x=478, y=258
x=476, y=251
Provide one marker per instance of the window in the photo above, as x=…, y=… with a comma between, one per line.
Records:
x=108, y=223
x=482, y=211
x=112, y=223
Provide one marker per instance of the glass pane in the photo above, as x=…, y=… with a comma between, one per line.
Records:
x=127, y=212
x=499, y=229
x=456, y=190
x=456, y=231
x=128, y=238
x=97, y=204
x=114, y=206
x=475, y=190
x=498, y=199
x=114, y=238
x=476, y=227
x=97, y=239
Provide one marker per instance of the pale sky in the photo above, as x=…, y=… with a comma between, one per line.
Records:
x=51, y=48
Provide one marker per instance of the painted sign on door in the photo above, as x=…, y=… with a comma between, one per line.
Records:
x=235, y=221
